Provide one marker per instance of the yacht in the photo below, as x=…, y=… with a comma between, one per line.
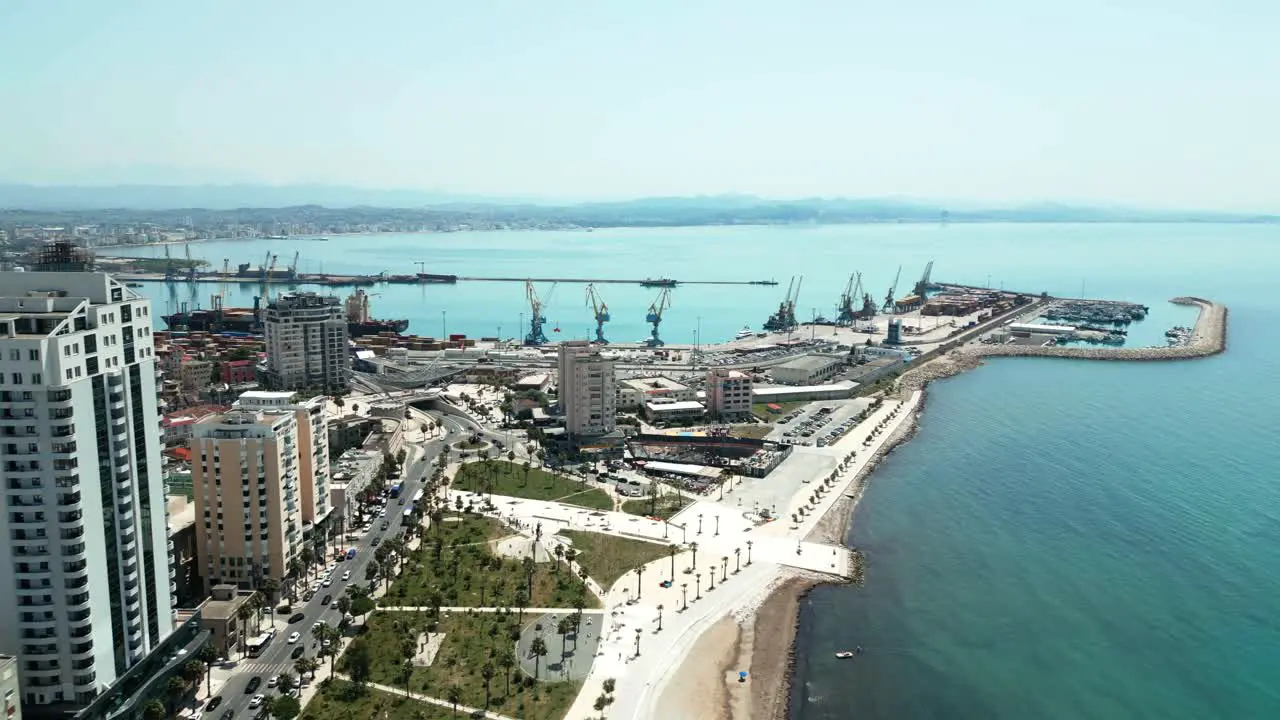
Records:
x=744, y=333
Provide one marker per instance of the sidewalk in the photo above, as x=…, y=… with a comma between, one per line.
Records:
x=535, y=610
x=465, y=709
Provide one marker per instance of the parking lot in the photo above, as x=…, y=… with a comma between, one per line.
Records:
x=819, y=423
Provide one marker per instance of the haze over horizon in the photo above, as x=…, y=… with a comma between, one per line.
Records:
x=1152, y=105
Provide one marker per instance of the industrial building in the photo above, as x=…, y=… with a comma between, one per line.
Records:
x=728, y=394
x=1031, y=329
x=306, y=337
x=247, y=483
x=85, y=495
x=634, y=393
x=807, y=369
x=802, y=393
x=587, y=390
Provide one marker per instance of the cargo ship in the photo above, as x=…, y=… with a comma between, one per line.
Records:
x=248, y=320
x=660, y=282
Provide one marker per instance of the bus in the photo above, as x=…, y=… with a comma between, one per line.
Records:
x=260, y=643
x=417, y=497
x=407, y=518
x=395, y=490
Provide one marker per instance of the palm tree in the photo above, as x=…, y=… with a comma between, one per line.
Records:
x=559, y=553
x=539, y=650
x=737, y=560
x=694, y=548
x=508, y=661
x=243, y=613
x=174, y=691
x=208, y=655
x=455, y=697
x=522, y=601
x=191, y=671
x=749, y=544
x=154, y=710
x=724, y=568
x=487, y=672
x=659, y=618
x=639, y=580
x=406, y=675
x=672, y=550
x=529, y=566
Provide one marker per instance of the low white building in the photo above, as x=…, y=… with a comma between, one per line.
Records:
x=807, y=369
x=663, y=410
x=634, y=393
x=1032, y=329
x=803, y=393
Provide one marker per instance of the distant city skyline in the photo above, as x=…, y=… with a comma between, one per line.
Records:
x=1161, y=106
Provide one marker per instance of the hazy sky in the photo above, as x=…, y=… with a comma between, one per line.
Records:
x=1154, y=102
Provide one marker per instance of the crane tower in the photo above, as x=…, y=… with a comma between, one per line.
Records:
x=600, y=311
x=889, y=303
x=535, y=336
x=654, y=317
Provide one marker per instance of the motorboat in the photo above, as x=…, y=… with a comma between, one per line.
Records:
x=744, y=333
x=844, y=654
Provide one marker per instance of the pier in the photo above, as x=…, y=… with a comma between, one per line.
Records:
x=367, y=280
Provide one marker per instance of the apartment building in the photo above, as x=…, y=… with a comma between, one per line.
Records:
x=306, y=336
x=728, y=393
x=588, y=389
x=246, y=478
x=10, y=690
x=312, y=419
x=88, y=581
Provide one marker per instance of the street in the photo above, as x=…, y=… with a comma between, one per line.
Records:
x=277, y=659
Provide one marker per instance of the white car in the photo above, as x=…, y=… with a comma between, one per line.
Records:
x=273, y=681
x=293, y=637
x=346, y=576
x=327, y=582
x=257, y=701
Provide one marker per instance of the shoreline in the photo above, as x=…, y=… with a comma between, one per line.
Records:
x=1209, y=338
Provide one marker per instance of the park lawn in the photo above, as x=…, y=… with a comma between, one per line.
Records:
x=608, y=557
x=479, y=578
x=471, y=640
x=342, y=700
x=663, y=507
x=594, y=498
x=509, y=479
x=761, y=410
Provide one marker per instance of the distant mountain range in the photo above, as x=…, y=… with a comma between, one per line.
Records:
x=335, y=203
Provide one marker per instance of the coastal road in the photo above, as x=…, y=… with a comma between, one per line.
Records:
x=277, y=658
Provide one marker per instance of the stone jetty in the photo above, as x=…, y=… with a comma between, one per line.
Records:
x=1208, y=337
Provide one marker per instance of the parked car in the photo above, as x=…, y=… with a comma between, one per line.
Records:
x=297, y=617
x=213, y=704
x=257, y=701
x=297, y=652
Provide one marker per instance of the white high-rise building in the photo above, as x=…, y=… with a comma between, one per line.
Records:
x=588, y=390
x=87, y=579
x=306, y=338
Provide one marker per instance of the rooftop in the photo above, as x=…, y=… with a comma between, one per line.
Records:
x=810, y=362
x=653, y=385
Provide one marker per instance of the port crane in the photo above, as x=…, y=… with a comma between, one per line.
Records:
x=599, y=310
x=785, y=317
x=221, y=295
x=654, y=316
x=922, y=285
x=536, y=336
x=293, y=267
x=889, y=304
x=852, y=293
x=266, y=275
x=191, y=266
x=170, y=272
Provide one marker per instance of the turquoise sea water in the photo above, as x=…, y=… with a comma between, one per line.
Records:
x=1061, y=540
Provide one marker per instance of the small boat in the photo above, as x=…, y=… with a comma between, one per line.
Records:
x=744, y=333
x=844, y=654
x=133, y=284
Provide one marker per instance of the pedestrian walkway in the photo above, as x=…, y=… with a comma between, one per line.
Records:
x=535, y=611
x=489, y=714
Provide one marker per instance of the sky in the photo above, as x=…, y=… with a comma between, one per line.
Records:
x=1159, y=103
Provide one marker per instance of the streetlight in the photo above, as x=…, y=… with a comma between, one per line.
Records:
x=444, y=331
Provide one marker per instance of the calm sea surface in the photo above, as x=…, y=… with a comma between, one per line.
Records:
x=1061, y=540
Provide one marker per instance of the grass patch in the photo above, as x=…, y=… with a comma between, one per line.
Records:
x=608, y=557
x=455, y=566
x=662, y=507
x=761, y=410
x=342, y=700
x=507, y=478
x=755, y=432
x=471, y=641
x=594, y=498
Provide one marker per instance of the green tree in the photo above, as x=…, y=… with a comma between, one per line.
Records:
x=406, y=674
x=508, y=662
x=539, y=650
x=455, y=697
x=487, y=672
x=154, y=710
x=359, y=661
x=208, y=655
x=174, y=692
x=285, y=708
